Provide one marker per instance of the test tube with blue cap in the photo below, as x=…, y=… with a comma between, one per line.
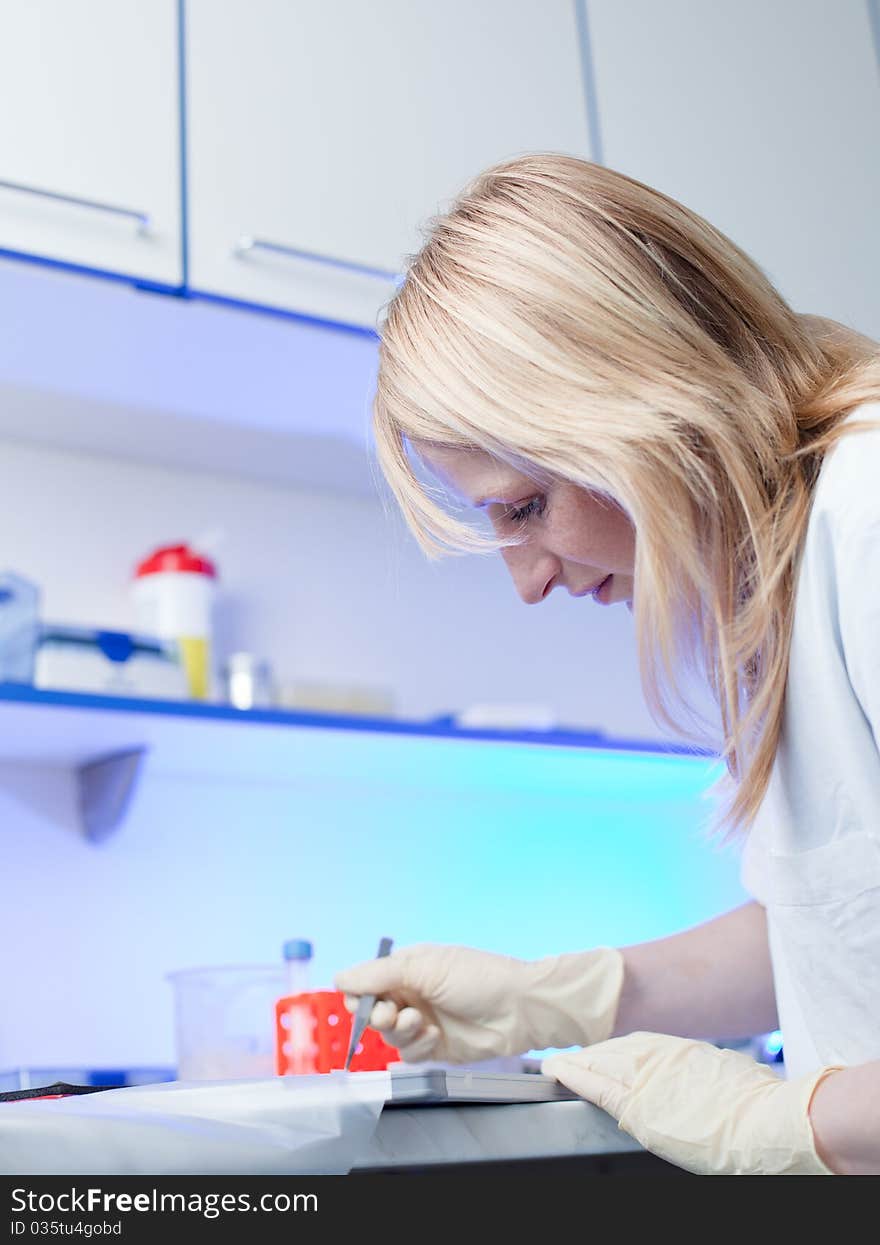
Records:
x=297, y=953
x=299, y=1044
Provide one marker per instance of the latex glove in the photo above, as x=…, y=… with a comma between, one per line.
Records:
x=710, y=1111
x=460, y=1005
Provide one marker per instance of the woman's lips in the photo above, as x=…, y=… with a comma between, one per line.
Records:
x=600, y=594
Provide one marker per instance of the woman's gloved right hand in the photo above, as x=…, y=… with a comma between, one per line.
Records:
x=460, y=1005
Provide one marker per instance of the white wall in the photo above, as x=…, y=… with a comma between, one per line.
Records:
x=324, y=585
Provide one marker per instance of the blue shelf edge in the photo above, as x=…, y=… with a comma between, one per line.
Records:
x=439, y=728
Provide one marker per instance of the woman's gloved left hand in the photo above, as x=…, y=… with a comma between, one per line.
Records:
x=710, y=1111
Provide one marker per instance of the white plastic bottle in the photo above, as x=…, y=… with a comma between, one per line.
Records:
x=173, y=592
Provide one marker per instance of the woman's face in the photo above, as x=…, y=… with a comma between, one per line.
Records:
x=574, y=539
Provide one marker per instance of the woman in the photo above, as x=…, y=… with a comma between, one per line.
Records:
x=645, y=420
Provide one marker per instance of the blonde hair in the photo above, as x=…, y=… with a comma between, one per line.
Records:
x=582, y=326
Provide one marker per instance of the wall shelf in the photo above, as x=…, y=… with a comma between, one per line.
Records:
x=108, y=742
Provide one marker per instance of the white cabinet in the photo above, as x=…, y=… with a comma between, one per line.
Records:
x=321, y=136
x=765, y=119
x=90, y=151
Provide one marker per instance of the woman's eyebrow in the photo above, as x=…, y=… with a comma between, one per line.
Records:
x=511, y=500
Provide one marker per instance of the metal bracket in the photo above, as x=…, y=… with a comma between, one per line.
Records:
x=104, y=790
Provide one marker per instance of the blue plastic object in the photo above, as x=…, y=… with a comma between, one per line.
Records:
x=297, y=949
x=19, y=607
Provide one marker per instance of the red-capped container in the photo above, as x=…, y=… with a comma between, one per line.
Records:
x=312, y=1031
x=173, y=591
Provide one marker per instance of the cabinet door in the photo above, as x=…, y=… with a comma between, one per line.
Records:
x=321, y=136
x=90, y=150
x=764, y=117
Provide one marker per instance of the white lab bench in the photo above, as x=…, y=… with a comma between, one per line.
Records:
x=256, y=1128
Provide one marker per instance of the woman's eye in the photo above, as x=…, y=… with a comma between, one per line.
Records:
x=520, y=514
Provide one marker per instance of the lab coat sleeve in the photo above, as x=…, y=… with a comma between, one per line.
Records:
x=858, y=588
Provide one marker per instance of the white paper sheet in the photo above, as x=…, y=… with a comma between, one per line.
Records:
x=314, y=1125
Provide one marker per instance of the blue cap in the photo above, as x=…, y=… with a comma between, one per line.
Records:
x=297, y=949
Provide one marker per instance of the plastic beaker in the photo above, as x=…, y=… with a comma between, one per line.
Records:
x=225, y=1020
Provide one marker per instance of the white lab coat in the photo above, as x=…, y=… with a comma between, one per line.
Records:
x=813, y=856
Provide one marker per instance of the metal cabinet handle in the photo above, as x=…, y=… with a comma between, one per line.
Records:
x=247, y=244
x=141, y=218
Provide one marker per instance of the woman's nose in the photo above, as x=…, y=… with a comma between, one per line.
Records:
x=533, y=571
